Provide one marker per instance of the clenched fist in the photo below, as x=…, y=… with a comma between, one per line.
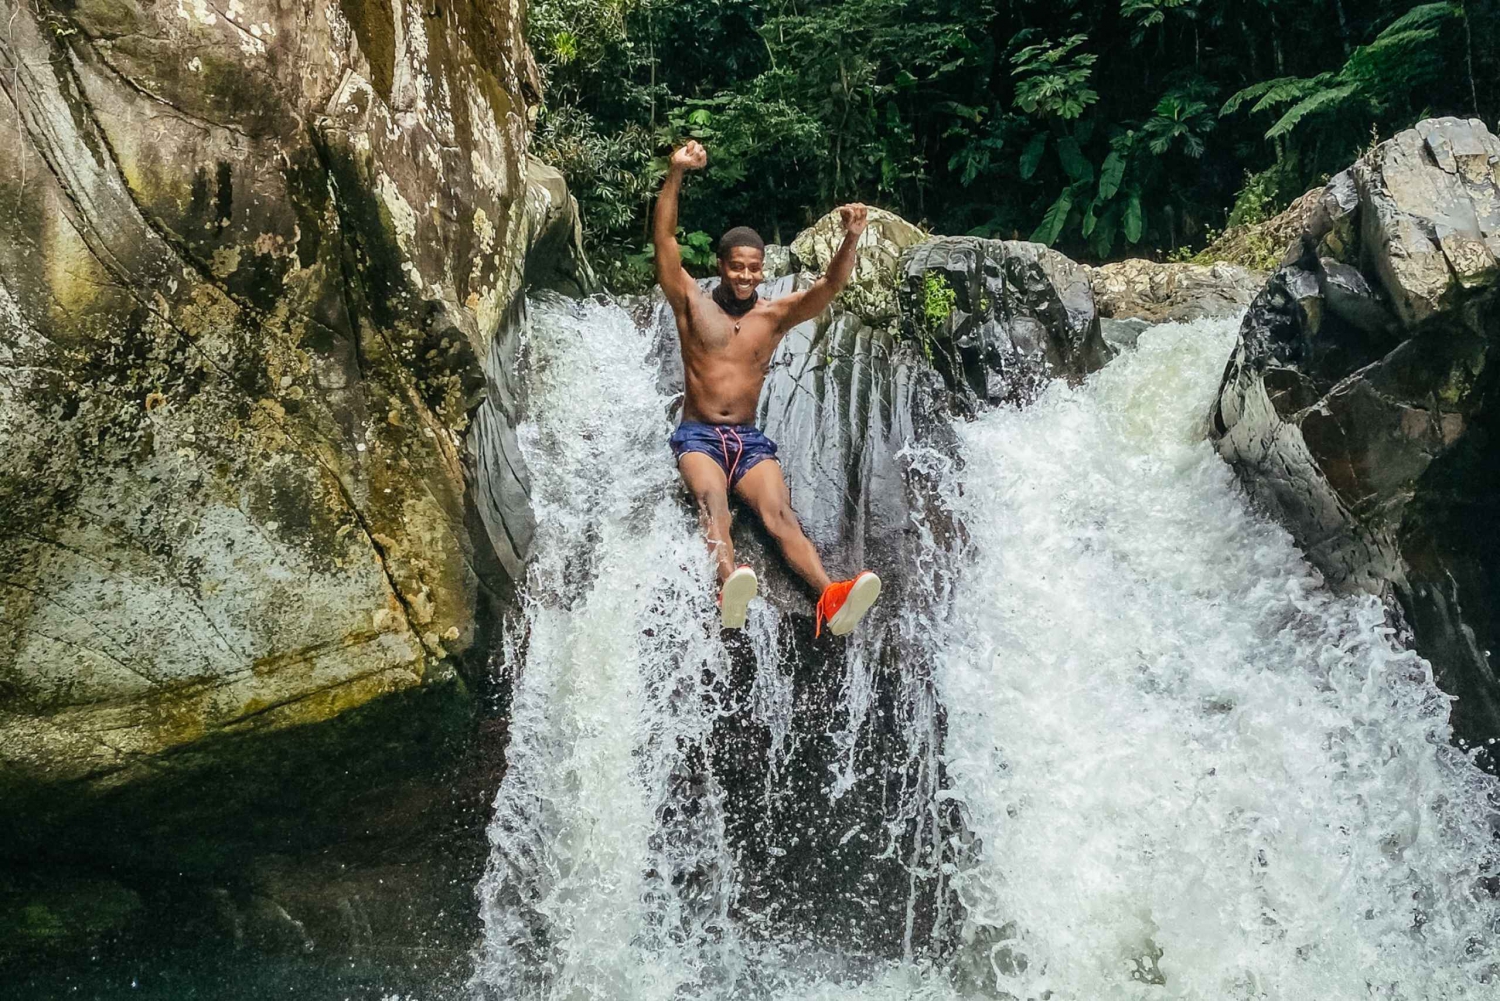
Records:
x=854, y=217
x=692, y=156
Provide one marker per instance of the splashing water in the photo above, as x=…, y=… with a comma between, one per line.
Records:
x=1197, y=773
x=609, y=702
x=1188, y=770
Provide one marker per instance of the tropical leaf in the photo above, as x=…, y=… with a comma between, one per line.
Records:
x=1110, y=173
x=1055, y=219
x=1031, y=156
x=1102, y=240
x=1074, y=163
x=1089, y=219
x=1135, y=222
x=1052, y=79
x=1319, y=101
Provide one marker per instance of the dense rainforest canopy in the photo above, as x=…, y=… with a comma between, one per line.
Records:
x=1104, y=127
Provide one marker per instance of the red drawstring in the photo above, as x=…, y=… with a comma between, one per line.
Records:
x=739, y=453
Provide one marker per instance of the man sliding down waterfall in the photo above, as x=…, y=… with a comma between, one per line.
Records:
x=727, y=342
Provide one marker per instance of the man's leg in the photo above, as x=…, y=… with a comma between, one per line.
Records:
x=764, y=489
x=711, y=490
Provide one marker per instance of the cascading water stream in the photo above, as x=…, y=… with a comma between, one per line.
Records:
x=1197, y=773
x=1185, y=770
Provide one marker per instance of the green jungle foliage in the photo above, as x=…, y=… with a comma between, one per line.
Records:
x=1106, y=128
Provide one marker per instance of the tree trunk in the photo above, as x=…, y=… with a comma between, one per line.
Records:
x=1338, y=6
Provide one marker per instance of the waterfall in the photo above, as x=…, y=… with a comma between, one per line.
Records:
x=1196, y=772
x=1172, y=765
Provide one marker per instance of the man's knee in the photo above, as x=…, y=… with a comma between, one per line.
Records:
x=713, y=501
x=781, y=521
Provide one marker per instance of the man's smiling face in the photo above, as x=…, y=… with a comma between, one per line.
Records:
x=742, y=269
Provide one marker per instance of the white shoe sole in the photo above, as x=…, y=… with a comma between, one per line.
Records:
x=735, y=595
x=861, y=596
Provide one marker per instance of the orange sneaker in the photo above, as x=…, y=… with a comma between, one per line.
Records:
x=734, y=597
x=845, y=602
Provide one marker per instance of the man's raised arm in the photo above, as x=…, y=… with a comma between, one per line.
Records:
x=806, y=305
x=674, y=281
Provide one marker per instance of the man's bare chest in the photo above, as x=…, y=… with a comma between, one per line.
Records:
x=751, y=339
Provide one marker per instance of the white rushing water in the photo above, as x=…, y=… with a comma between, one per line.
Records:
x=1191, y=771
x=1197, y=773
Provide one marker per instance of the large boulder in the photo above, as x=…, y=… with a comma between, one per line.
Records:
x=260, y=500
x=1360, y=404
x=1160, y=292
x=255, y=263
x=999, y=318
x=870, y=291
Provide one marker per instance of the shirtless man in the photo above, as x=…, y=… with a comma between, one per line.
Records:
x=727, y=342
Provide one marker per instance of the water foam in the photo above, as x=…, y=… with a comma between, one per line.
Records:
x=1196, y=772
x=1191, y=772
x=610, y=657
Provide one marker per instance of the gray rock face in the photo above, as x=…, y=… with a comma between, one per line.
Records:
x=1429, y=215
x=870, y=292
x=999, y=318
x=1159, y=293
x=255, y=263
x=260, y=499
x=1360, y=403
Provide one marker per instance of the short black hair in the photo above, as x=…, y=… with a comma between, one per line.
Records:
x=740, y=236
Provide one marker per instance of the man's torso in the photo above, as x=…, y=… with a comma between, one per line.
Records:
x=724, y=368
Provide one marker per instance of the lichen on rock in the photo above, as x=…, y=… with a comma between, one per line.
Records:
x=1158, y=292
x=247, y=305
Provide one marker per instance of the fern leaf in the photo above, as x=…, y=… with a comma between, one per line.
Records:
x=1422, y=16
x=1293, y=89
x=1255, y=90
x=1322, y=100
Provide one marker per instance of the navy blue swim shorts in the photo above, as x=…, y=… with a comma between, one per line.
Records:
x=737, y=448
